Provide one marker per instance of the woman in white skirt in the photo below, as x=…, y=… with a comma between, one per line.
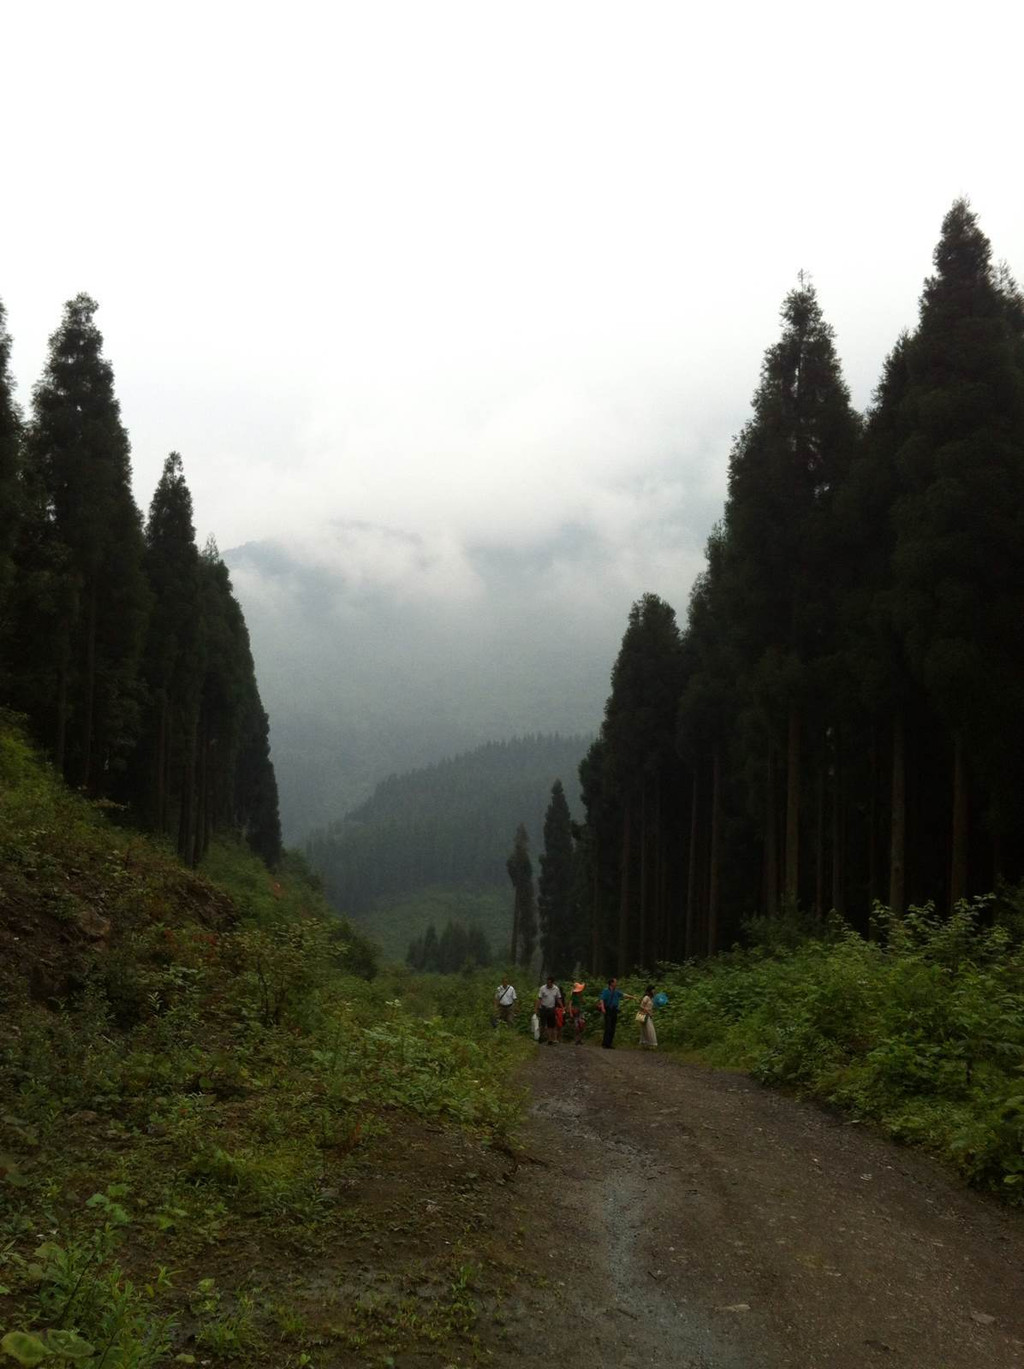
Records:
x=645, y=1016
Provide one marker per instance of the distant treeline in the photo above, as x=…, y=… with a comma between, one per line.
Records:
x=841, y=719
x=456, y=948
x=121, y=642
x=447, y=824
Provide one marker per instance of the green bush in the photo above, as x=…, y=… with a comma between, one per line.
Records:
x=921, y=1031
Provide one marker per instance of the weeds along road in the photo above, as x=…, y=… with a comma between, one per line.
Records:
x=690, y=1217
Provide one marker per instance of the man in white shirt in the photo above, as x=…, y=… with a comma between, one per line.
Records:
x=549, y=997
x=504, y=1001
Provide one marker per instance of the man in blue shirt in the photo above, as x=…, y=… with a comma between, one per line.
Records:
x=610, y=1000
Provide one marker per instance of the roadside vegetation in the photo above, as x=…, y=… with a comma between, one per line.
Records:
x=224, y=1134
x=920, y=1030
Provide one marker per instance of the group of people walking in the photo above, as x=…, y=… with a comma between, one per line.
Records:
x=551, y=1009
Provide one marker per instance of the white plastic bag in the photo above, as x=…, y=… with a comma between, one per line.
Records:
x=535, y=1027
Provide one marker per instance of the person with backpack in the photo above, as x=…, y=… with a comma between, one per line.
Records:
x=504, y=1002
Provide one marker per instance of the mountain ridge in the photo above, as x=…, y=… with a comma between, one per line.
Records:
x=450, y=824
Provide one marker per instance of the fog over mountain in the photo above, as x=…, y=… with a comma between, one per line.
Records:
x=379, y=649
x=452, y=311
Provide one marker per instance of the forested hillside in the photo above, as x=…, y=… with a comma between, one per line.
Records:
x=449, y=824
x=121, y=642
x=841, y=717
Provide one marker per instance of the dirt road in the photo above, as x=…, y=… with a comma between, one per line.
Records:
x=689, y=1217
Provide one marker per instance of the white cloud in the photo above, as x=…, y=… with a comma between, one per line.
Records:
x=479, y=272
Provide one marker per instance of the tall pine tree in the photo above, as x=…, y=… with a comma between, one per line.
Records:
x=173, y=664
x=639, y=729
x=228, y=778
x=598, y=851
x=10, y=456
x=524, y=908
x=779, y=576
x=959, y=553
x=78, y=453
x=554, y=891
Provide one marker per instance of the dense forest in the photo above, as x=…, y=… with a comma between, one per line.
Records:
x=449, y=824
x=120, y=641
x=457, y=948
x=840, y=719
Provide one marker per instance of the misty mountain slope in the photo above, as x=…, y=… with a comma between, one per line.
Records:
x=449, y=825
x=380, y=652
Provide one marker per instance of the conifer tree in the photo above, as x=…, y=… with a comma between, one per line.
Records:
x=173, y=662
x=959, y=554
x=451, y=948
x=583, y=907
x=79, y=454
x=639, y=729
x=10, y=444
x=256, y=802
x=430, y=949
x=778, y=570
x=707, y=714
x=871, y=681
x=41, y=603
x=228, y=778
x=598, y=849
x=414, y=955
x=524, y=911
x=478, y=950
x=554, y=899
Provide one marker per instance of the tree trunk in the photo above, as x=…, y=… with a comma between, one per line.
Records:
x=662, y=931
x=898, y=825
x=689, y=946
x=644, y=876
x=515, y=924
x=874, y=887
x=205, y=814
x=958, y=863
x=595, y=916
x=793, y=807
x=160, y=794
x=88, y=719
x=819, y=845
x=771, y=841
x=60, y=741
x=838, y=832
x=623, y=946
x=187, y=807
x=714, y=882
x=997, y=858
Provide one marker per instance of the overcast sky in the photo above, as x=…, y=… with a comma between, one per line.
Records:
x=465, y=275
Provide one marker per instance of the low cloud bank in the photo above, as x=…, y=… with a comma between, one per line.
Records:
x=379, y=649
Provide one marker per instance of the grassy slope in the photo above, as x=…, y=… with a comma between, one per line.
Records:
x=223, y=1134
